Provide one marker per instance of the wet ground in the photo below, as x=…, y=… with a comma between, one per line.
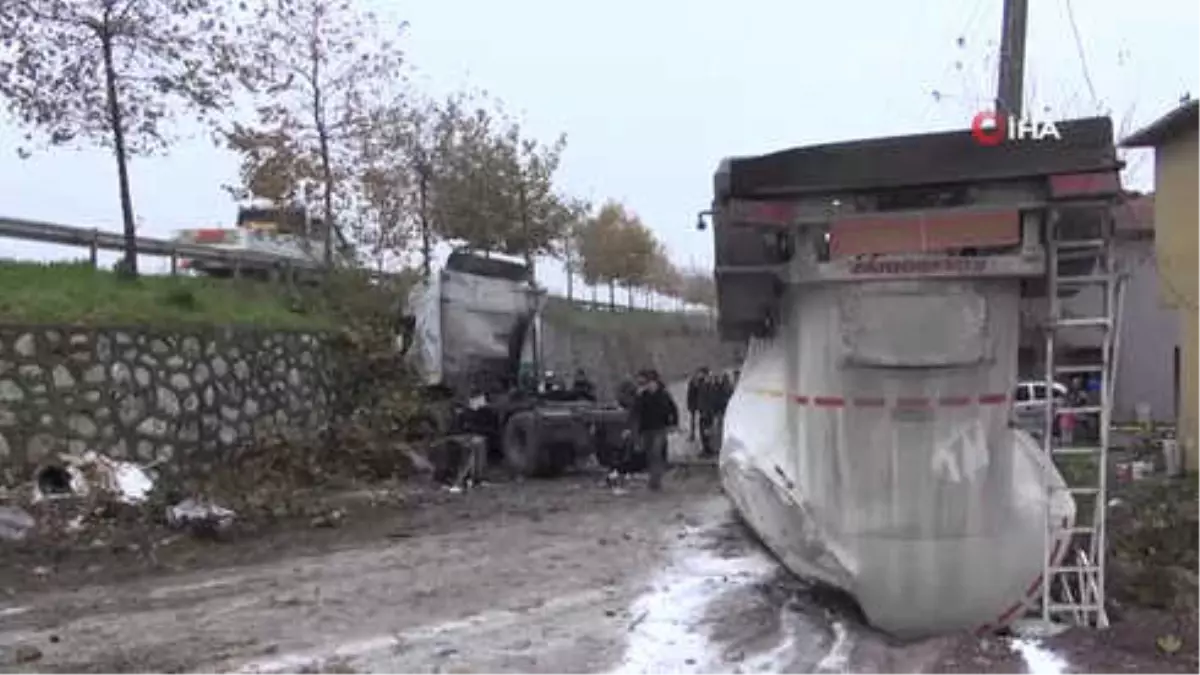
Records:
x=546, y=576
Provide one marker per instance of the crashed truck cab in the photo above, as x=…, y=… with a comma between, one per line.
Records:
x=472, y=335
x=880, y=285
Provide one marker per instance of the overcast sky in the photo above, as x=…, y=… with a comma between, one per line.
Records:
x=653, y=94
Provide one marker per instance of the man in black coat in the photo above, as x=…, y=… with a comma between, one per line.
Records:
x=582, y=387
x=693, y=399
x=655, y=414
x=710, y=400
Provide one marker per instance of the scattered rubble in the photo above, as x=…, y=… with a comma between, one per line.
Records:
x=200, y=517
x=77, y=476
x=15, y=523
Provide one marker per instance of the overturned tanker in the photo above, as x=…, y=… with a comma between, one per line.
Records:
x=880, y=285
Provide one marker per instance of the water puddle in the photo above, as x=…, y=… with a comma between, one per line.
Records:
x=1038, y=659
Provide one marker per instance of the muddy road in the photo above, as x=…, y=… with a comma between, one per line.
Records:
x=545, y=576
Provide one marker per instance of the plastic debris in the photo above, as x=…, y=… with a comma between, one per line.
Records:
x=15, y=523
x=200, y=514
x=81, y=475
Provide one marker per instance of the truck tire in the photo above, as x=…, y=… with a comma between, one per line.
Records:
x=520, y=454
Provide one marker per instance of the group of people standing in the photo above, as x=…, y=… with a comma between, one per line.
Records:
x=708, y=395
x=654, y=414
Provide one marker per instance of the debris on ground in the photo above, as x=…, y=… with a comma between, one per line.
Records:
x=1153, y=552
x=200, y=517
x=79, y=476
x=27, y=654
x=15, y=523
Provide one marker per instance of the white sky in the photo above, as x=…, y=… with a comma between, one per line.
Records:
x=653, y=94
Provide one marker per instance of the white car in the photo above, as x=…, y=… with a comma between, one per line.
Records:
x=1029, y=403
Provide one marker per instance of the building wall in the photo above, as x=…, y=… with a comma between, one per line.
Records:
x=1149, y=336
x=1177, y=230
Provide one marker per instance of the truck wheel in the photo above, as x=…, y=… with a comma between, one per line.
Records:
x=520, y=454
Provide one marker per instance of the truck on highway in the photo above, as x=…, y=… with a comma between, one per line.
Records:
x=886, y=288
x=286, y=237
x=472, y=334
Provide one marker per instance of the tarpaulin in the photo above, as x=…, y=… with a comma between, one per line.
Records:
x=869, y=445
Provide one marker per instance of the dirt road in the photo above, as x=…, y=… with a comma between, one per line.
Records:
x=662, y=583
x=563, y=576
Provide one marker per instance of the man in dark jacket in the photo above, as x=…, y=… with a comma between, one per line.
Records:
x=693, y=400
x=655, y=413
x=709, y=402
x=582, y=387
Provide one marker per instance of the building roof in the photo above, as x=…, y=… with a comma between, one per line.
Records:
x=1135, y=214
x=1167, y=127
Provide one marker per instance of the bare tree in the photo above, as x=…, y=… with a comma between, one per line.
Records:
x=115, y=73
x=316, y=66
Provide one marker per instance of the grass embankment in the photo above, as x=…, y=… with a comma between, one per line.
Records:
x=74, y=293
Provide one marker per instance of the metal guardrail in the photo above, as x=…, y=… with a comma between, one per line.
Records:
x=96, y=240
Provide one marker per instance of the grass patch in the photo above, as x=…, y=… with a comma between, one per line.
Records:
x=74, y=293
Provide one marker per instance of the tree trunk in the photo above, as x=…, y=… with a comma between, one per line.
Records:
x=130, y=268
x=318, y=112
x=426, y=235
x=569, y=268
x=612, y=295
x=629, y=291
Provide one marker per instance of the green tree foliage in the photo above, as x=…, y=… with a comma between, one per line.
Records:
x=494, y=189
x=116, y=73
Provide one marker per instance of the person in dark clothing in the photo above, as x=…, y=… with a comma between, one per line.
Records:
x=582, y=387
x=693, y=399
x=726, y=388
x=709, y=403
x=655, y=413
x=626, y=394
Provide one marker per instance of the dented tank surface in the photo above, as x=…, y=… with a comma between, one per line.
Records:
x=868, y=445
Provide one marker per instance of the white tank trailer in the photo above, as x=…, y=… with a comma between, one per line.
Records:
x=869, y=442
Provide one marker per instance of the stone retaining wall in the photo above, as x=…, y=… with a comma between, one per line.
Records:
x=153, y=396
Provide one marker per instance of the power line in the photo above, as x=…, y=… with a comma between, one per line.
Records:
x=1087, y=75
x=936, y=94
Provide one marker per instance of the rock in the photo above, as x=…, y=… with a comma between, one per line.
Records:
x=25, y=345
x=180, y=382
x=94, y=374
x=200, y=373
x=168, y=402
x=62, y=377
x=11, y=392
x=82, y=425
x=27, y=654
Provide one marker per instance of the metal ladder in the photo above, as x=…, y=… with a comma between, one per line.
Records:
x=1073, y=582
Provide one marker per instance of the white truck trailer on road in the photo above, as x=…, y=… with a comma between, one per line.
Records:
x=870, y=441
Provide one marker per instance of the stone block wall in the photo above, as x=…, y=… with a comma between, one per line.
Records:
x=148, y=396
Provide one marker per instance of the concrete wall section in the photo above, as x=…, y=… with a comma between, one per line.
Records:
x=612, y=353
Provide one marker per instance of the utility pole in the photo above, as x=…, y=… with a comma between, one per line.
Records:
x=1010, y=83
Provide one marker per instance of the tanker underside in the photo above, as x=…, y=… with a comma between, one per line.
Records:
x=869, y=443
